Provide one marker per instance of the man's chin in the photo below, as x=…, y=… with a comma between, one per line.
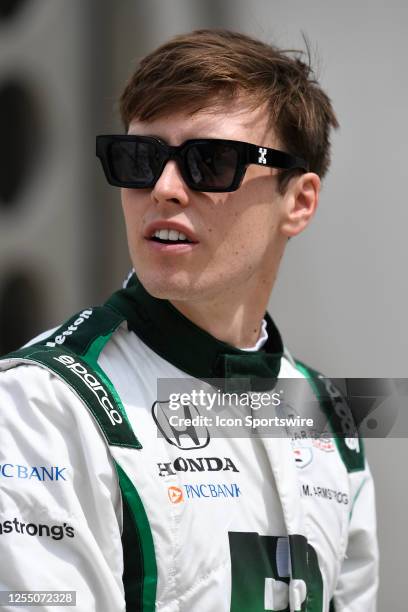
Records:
x=176, y=286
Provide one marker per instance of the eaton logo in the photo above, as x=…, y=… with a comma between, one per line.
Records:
x=60, y=339
x=25, y=472
x=199, y=491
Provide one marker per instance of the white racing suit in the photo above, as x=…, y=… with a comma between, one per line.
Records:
x=94, y=500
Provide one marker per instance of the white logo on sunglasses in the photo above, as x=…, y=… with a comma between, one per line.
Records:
x=262, y=155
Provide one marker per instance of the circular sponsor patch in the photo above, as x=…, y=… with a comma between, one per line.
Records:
x=303, y=452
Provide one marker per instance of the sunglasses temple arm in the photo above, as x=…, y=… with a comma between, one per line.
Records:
x=272, y=158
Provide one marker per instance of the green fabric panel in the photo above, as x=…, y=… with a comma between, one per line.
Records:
x=305, y=566
x=253, y=558
x=89, y=386
x=95, y=349
x=354, y=461
x=256, y=371
x=133, y=571
x=140, y=569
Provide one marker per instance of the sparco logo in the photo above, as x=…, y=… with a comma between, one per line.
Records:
x=93, y=385
x=185, y=438
x=60, y=339
x=202, y=464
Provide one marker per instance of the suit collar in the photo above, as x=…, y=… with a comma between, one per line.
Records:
x=193, y=350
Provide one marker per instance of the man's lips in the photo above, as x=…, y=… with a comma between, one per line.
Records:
x=160, y=224
x=175, y=247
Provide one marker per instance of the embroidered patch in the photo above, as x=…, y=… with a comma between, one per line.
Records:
x=324, y=444
x=303, y=451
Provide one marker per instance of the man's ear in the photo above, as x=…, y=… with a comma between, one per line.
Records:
x=300, y=203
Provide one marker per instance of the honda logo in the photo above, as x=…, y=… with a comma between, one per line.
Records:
x=187, y=437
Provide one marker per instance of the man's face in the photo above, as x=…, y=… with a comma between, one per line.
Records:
x=239, y=240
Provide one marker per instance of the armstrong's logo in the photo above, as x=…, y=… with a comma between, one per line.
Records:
x=185, y=438
x=202, y=464
x=93, y=385
x=60, y=339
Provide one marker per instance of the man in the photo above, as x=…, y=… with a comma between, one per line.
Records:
x=226, y=141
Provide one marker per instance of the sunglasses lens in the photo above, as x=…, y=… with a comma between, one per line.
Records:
x=135, y=162
x=211, y=165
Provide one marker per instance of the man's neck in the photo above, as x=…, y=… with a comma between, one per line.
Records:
x=235, y=318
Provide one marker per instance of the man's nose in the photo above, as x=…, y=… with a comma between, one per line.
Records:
x=170, y=186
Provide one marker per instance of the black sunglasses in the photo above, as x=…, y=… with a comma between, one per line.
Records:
x=206, y=164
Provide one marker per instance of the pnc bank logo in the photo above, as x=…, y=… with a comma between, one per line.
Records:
x=185, y=437
x=175, y=495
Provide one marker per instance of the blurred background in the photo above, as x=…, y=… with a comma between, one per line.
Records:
x=341, y=298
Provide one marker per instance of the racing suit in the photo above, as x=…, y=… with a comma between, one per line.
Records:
x=102, y=495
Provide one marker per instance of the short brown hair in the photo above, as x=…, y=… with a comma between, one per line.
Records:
x=193, y=70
